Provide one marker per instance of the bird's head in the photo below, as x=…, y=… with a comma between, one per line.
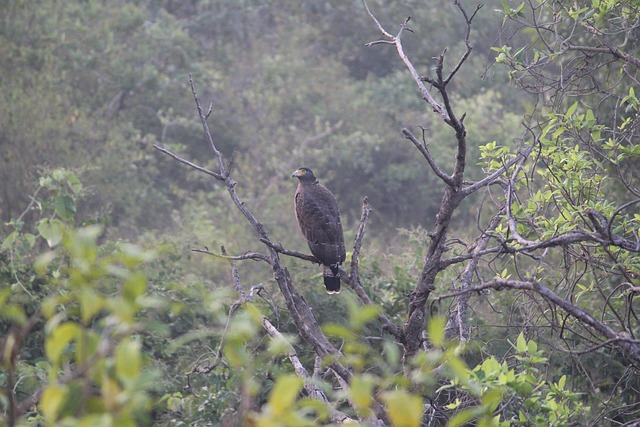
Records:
x=304, y=175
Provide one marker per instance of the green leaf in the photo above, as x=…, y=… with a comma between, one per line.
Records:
x=361, y=392
x=59, y=339
x=8, y=242
x=405, y=410
x=363, y=315
x=65, y=207
x=453, y=405
x=338, y=331
x=87, y=345
x=59, y=174
x=491, y=399
x=279, y=345
x=284, y=393
x=562, y=382
x=74, y=183
x=51, y=402
x=589, y=117
x=99, y=420
x=460, y=371
x=571, y=110
x=134, y=286
x=43, y=261
x=462, y=417
x=391, y=353
x=558, y=132
x=51, y=231
x=435, y=330
x=91, y=303
x=521, y=343
x=128, y=360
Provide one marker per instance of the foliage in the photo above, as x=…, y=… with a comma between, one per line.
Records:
x=582, y=180
x=98, y=318
x=80, y=305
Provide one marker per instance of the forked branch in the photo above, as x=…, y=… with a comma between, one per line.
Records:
x=397, y=42
x=413, y=328
x=301, y=313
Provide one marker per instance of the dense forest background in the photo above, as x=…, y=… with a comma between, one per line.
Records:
x=291, y=84
x=98, y=227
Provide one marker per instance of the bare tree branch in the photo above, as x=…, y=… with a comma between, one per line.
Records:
x=457, y=325
x=395, y=40
x=354, y=278
x=188, y=163
x=256, y=256
x=413, y=327
x=281, y=249
x=493, y=177
x=629, y=347
x=422, y=147
x=467, y=42
x=366, y=210
x=301, y=313
x=335, y=416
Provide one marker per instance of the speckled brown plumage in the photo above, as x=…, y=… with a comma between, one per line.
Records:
x=319, y=221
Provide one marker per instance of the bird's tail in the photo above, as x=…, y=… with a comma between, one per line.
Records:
x=332, y=278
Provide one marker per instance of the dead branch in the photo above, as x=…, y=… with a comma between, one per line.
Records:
x=422, y=147
x=187, y=162
x=335, y=416
x=353, y=279
x=256, y=256
x=629, y=347
x=468, y=19
x=494, y=176
x=301, y=313
x=366, y=209
x=457, y=325
x=282, y=250
x=396, y=41
x=413, y=327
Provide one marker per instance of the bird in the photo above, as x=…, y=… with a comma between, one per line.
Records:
x=319, y=221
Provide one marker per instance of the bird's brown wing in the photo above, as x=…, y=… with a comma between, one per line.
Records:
x=319, y=221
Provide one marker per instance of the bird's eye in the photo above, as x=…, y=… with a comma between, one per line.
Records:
x=302, y=171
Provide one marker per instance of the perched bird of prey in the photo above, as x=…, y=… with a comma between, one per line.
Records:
x=319, y=220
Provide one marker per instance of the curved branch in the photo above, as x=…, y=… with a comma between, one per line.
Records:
x=629, y=347
x=467, y=52
x=188, y=163
x=413, y=328
x=422, y=147
x=301, y=313
x=309, y=385
x=457, y=320
x=366, y=210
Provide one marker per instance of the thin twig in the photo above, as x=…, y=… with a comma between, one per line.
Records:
x=353, y=279
x=422, y=147
x=256, y=256
x=281, y=249
x=396, y=40
x=490, y=179
x=187, y=162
